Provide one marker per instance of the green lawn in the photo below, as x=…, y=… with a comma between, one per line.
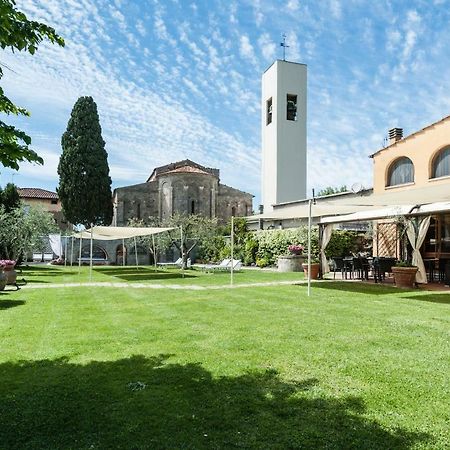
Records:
x=113, y=274
x=351, y=367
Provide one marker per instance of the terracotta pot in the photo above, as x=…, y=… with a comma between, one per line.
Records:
x=314, y=270
x=404, y=277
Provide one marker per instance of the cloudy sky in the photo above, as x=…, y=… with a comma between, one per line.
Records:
x=177, y=79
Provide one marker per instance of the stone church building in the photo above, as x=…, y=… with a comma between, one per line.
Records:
x=183, y=187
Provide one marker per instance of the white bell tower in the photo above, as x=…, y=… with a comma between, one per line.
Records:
x=283, y=133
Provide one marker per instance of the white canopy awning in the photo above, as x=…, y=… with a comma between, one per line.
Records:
x=392, y=211
x=110, y=233
x=437, y=193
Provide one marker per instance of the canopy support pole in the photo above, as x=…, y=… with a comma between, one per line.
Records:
x=154, y=251
x=135, y=253
x=65, y=251
x=181, y=247
x=232, y=249
x=79, y=256
x=309, y=246
x=123, y=252
x=91, y=250
x=71, y=253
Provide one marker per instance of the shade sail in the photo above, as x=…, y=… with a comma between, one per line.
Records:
x=110, y=233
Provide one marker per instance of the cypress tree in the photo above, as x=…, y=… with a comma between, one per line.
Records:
x=84, y=181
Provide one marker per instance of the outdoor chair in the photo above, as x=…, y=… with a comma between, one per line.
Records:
x=224, y=265
x=338, y=266
x=382, y=265
x=176, y=263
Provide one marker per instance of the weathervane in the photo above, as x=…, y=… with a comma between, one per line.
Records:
x=283, y=44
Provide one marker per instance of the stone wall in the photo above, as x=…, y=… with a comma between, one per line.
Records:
x=233, y=202
x=183, y=193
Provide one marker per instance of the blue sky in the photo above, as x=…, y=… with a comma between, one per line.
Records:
x=177, y=79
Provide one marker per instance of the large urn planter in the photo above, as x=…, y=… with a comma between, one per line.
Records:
x=404, y=277
x=290, y=263
x=314, y=270
x=10, y=273
x=2, y=280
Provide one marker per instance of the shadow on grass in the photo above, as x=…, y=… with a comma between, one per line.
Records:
x=133, y=274
x=433, y=298
x=360, y=288
x=7, y=304
x=146, y=403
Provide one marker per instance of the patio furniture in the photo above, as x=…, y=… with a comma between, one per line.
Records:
x=361, y=267
x=348, y=266
x=225, y=265
x=338, y=266
x=381, y=266
x=176, y=263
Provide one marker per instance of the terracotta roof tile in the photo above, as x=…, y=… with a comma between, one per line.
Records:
x=37, y=193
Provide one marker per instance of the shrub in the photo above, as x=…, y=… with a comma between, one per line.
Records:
x=274, y=243
x=251, y=249
x=345, y=242
x=262, y=262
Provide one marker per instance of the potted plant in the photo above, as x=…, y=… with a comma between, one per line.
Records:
x=296, y=249
x=292, y=262
x=315, y=265
x=8, y=268
x=404, y=274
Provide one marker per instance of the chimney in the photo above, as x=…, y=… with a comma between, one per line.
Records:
x=395, y=134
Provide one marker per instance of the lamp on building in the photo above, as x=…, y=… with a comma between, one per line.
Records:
x=201, y=187
x=185, y=187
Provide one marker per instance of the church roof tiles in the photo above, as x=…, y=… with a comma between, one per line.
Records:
x=185, y=166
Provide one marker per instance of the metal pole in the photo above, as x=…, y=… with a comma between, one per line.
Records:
x=123, y=252
x=154, y=251
x=309, y=246
x=135, y=252
x=232, y=248
x=71, y=253
x=182, y=260
x=65, y=251
x=92, y=247
x=79, y=256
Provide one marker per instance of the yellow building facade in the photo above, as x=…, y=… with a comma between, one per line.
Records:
x=418, y=160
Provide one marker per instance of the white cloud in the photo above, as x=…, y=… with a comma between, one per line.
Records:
x=246, y=48
x=292, y=5
x=267, y=46
x=336, y=8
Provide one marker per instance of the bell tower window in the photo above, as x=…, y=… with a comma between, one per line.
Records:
x=291, y=107
x=269, y=111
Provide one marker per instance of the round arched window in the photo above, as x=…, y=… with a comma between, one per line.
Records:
x=441, y=164
x=400, y=172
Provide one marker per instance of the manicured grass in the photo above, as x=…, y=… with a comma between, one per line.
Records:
x=59, y=274
x=352, y=367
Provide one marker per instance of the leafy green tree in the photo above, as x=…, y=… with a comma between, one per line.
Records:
x=331, y=190
x=18, y=33
x=84, y=181
x=21, y=231
x=189, y=231
x=9, y=197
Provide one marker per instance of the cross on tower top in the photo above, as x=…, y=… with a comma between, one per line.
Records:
x=284, y=45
